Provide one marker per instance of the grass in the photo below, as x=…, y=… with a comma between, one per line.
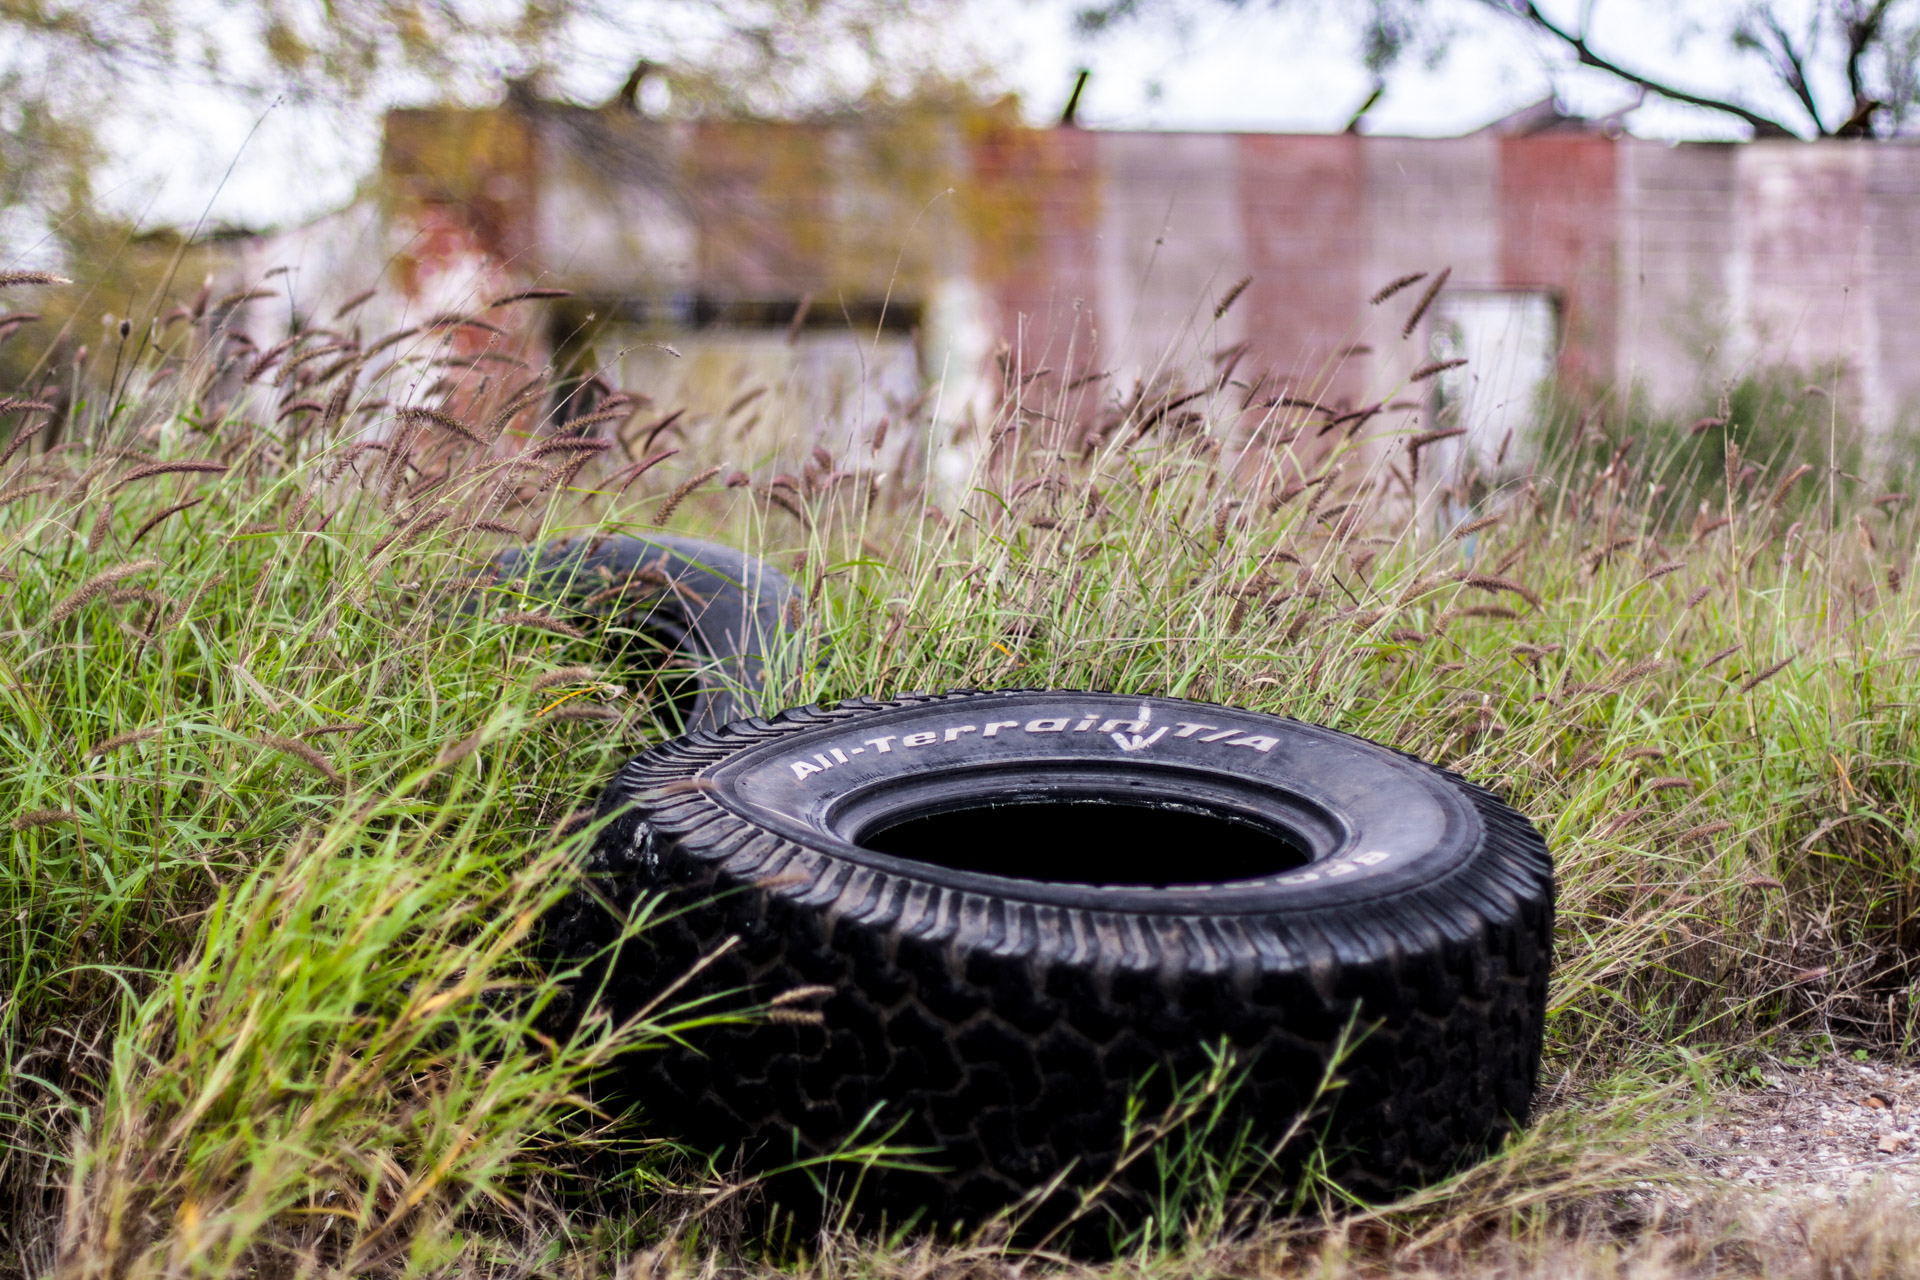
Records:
x=285, y=779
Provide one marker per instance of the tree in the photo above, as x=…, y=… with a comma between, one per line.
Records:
x=72, y=73
x=1873, y=42
x=1838, y=68
x=70, y=68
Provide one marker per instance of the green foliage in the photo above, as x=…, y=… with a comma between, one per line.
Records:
x=279, y=818
x=1759, y=429
x=1710, y=722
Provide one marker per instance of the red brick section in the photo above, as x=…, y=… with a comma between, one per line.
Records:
x=1303, y=202
x=1559, y=225
x=1033, y=212
x=465, y=174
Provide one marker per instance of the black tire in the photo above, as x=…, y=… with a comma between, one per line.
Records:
x=730, y=612
x=999, y=994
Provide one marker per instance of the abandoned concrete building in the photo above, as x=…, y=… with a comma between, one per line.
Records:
x=852, y=265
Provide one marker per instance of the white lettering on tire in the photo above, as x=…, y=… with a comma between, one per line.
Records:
x=1128, y=735
x=1337, y=868
x=1135, y=742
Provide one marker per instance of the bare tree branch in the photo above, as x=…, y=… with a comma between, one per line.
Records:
x=1864, y=28
x=1528, y=12
x=1790, y=66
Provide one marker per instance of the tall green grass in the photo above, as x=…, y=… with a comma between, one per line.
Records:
x=284, y=775
x=1712, y=721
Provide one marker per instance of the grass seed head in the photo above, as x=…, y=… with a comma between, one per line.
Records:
x=120, y=740
x=420, y=414
x=1637, y=672
x=541, y=622
x=21, y=435
x=563, y=675
x=1435, y=368
x=304, y=754
x=94, y=586
x=454, y=752
x=170, y=468
x=1475, y=526
x=102, y=526
x=527, y=295
x=26, y=491
x=1426, y=300
x=570, y=444
x=43, y=818
x=270, y=357
x=679, y=495
x=1754, y=681
x=581, y=714
x=1394, y=286
x=1488, y=582
x=1232, y=296
x=1794, y=477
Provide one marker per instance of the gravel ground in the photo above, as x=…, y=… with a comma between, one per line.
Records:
x=1823, y=1129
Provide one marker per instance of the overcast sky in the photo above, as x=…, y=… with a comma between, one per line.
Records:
x=1220, y=69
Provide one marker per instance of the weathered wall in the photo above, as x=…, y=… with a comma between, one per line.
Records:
x=1893, y=213
x=1738, y=258
x=1676, y=248
x=1303, y=206
x=1559, y=231
x=1799, y=289
x=997, y=250
x=1171, y=242
x=1031, y=203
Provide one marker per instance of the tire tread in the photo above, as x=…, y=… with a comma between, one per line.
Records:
x=971, y=1054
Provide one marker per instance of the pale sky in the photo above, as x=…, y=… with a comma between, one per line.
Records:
x=1224, y=68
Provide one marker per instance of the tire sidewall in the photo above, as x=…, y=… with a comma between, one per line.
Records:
x=1378, y=823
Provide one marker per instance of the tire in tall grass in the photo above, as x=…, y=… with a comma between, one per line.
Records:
x=714, y=621
x=1009, y=910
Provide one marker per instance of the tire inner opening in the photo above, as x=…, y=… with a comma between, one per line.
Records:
x=1078, y=841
